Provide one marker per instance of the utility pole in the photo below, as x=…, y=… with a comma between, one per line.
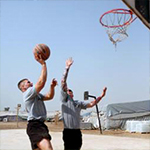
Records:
x=18, y=107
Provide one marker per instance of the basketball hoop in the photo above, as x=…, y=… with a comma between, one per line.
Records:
x=116, y=22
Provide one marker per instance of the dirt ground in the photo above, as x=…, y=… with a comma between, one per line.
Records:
x=59, y=127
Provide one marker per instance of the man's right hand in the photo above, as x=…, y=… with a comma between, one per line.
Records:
x=38, y=58
x=69, y=62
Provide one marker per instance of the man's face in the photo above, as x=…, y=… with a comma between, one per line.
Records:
x=70, y=93
x=25, y=85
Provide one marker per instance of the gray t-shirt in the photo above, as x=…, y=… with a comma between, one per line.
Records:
x=71, y=111
x=34, y=104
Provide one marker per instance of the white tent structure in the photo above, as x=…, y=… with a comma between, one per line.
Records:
x=115, y=116
x=10, y=116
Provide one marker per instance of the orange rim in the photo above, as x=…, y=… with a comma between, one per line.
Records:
x=117, y=11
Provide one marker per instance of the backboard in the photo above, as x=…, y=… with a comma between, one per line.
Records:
x=141, y=8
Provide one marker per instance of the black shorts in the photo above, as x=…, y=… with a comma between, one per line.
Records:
x=36, y=131
x=72, y=139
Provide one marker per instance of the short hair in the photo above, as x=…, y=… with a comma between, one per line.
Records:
x=69, y=90
x=21, y=82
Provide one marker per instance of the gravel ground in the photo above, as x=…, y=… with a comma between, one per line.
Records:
x=13, y=137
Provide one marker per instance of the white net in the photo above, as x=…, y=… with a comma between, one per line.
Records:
x=116, y=23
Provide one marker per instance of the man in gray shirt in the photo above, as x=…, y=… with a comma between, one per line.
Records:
x=71, y=108
x=36, y=129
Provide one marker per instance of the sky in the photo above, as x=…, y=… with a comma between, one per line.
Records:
x=71, y=28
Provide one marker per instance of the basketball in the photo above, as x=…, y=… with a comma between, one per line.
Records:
x=43, y=50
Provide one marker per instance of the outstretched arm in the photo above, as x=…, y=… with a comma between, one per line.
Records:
x=51, y=92
x=94, y=102
x=69, y=62
x=42, y=79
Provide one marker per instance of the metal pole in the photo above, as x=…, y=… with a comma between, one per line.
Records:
x=98, y=119
x=97, y=114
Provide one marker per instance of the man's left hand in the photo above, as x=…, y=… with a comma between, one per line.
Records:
x=54, y=82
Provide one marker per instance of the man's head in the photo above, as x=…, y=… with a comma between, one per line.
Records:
x=24, y=84
x=70, y=93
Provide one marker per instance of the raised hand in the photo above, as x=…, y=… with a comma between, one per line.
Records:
x=104, y=92
x=69, y=62
x=38, y=58
x=54, y=82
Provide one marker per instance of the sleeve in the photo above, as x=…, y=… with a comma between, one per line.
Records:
x=30, y=93
x=81, y=104
x=40, y=96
